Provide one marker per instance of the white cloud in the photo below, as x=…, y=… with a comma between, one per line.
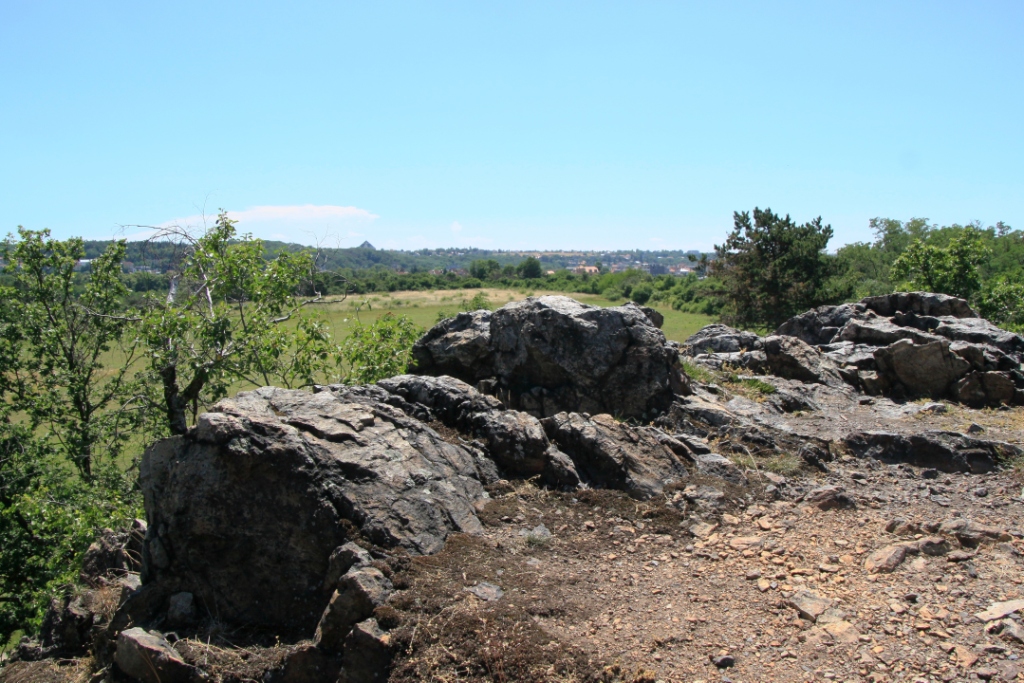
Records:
x=456, y=227
x=303, y=212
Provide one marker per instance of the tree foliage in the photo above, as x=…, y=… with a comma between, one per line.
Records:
x=57, y=328
x=951, y=269
x=530, y=268
x=771, y=268
x=232, y=316
x=67, y=415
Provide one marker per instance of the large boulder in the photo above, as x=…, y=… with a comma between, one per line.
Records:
x=820, y=325
x=914, y=344
x=245, y=511
x=928, y=369
x=551, y=354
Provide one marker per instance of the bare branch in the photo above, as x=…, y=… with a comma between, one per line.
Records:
x=124, y=318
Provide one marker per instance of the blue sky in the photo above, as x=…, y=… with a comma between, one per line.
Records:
x=549, y=125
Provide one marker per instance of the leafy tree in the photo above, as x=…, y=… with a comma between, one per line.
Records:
x=529, y=268
x=1002, y=302
x=954, y=269
x=58, y=332
x=771, y=268
x=485, y=270
x=231, y=316
x=67, y=409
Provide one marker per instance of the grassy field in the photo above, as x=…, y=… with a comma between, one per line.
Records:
x=423, y=308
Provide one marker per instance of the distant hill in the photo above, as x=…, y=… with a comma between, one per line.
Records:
x=161, y=256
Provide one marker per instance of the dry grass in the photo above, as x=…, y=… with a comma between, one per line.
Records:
x=447, y=634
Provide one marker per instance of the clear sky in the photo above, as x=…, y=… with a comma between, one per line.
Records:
x=589, y=125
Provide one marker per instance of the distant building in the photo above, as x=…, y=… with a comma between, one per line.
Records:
x=586, y=270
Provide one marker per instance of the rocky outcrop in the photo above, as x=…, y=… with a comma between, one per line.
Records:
x=791, y=358
x=944, y=451
x=612, y=454
x=271, y=482
x=718, y=338
x=903, y=345
x=552, y=354
x=514, y=440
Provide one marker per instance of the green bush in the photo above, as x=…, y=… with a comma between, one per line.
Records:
x=379, y=350
x=642, y=293
x=48, y=516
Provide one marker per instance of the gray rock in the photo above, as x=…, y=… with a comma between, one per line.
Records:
x=810, y=605
x=553, y=354
x=148, y=657
x=612, y=454
x=180, y=609
x=922, y=303
x=945, y=451
x=66, y=626
x=715, y=465
x=274, y=498
x=515, y=441
x=792, y=358
x=980, y=389
x=486, y=591
x=539, y=532
x=359, y=593
x=106, y=558
x=820, y=325
x=928, y=369
x=718, y=338
x=367, y=654
x=343, y=558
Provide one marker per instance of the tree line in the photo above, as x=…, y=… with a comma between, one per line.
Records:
x=770, y=268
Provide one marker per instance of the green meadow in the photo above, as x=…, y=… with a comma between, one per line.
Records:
x=425, y=307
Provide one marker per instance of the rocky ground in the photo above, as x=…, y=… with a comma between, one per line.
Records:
x=793, y=508
x=768, y=585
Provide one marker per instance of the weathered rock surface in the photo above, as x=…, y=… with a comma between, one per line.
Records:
x=552, y=354
x=515, y=440
x=149, y=658
x=359, y=593
x=718, y=338
x=945, y=451
x=268, y=485
x=791, y=358
x=612, y=454
x=904, y=345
